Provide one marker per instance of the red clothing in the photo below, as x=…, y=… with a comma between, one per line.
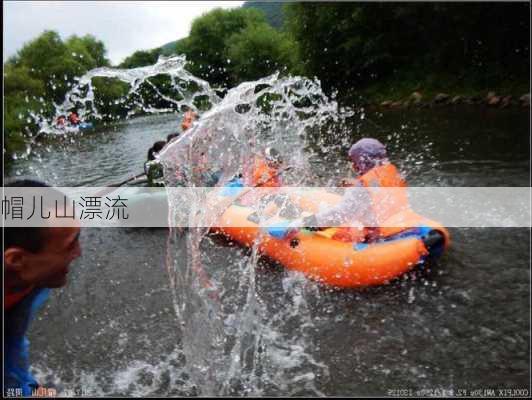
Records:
x=73, y=118
x=12, y=298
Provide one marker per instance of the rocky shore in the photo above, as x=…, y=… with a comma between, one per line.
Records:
x=492, y=99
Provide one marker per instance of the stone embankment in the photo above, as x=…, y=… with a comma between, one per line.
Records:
x=492, y=99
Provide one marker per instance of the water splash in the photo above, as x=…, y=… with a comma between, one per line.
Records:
x=182, y=90
x=237, y=339
x=165, y=87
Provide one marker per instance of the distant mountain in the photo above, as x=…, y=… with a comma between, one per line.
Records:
x=169, y=48
x=272, y=10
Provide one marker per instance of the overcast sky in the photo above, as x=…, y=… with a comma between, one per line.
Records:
x=124, y=26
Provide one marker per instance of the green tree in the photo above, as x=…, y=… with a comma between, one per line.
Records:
x=258, y=51
x=41, y=54
x=273, y=11
x=96, y=49
x=181, y=46
x=38, y=76
x=141, y=58
x=110, y=97
x=22, y=95
x=357, y=44
x=207, y=46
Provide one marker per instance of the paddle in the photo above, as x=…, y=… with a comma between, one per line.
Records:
x=127, y=180
x=106, y=191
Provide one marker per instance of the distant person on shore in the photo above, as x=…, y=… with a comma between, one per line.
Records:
x=36, y=259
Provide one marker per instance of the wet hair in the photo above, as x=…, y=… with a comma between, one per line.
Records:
x=273, y=155
x=367, y=153
x=157, y=147
x=29, y=238
x=171, y=136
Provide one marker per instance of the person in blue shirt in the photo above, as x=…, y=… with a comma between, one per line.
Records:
x=36, y=259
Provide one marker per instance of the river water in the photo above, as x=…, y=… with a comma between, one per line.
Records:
x=464, y=326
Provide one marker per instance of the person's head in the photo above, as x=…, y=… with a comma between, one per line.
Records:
x=157, y=147
x=188, y=119
x=171, y=136
x=273, y=157
x=366, y=154
x=39, y=256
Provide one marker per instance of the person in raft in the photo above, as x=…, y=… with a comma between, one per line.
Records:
x=36, y=259
x=263, y=171
x=152, y=168
x=361, y=213
x=188, y=119
x=73, y=118
x=171, y=136
x=61, y=121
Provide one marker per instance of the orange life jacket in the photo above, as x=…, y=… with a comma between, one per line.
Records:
x=188, y=119
x=262, y=175
x=385, y=203
x=259, y=174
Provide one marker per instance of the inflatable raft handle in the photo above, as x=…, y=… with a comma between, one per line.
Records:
x=434, y=242
x=232, y=188
x=279, y=229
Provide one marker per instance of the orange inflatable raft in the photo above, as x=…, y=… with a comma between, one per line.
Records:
x=340, y=263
